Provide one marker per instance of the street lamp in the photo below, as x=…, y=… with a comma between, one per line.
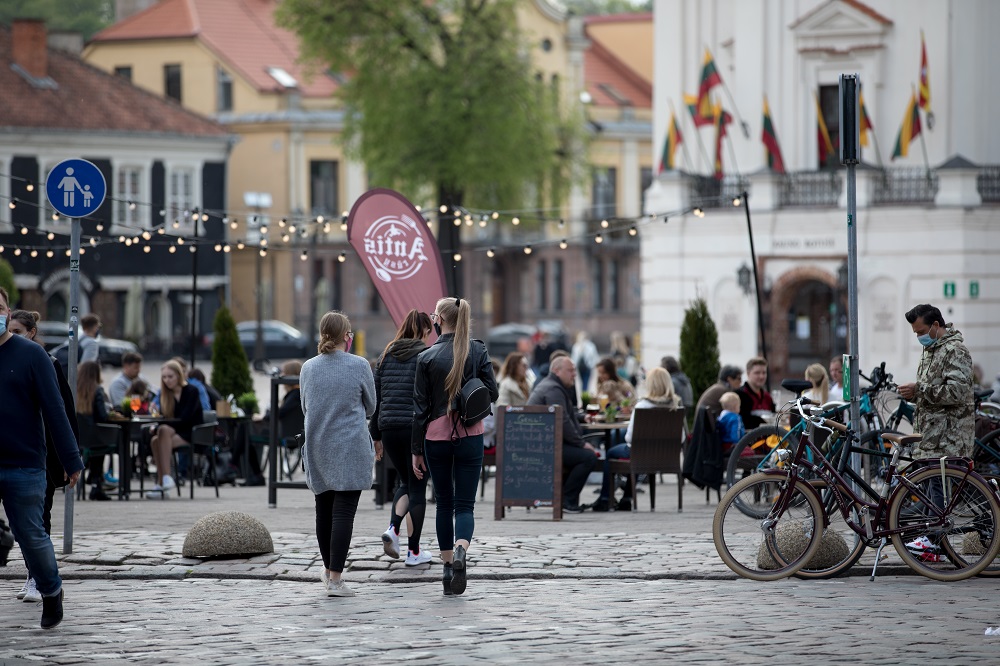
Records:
x=743, y=279
x=258, y=201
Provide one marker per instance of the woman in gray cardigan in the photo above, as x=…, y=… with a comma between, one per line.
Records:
x=338, y=395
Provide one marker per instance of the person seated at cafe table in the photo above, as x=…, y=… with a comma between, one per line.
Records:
x=660, y=393
x=578, y=457
x=755, y=402
x=610, y=383
x=178, y=400
x=131, y=372
x=729, y=425
x=91, y=409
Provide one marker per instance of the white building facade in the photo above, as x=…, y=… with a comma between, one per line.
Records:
x=928, y=223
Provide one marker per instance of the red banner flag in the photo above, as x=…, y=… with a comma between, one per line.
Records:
x=401, y=256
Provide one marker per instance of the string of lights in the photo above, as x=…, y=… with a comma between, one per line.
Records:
x=298, y=226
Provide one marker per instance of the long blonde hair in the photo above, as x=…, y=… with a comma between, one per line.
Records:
x=168, y=404
x=660, y=388
x=88, y=379
x=332, y=328
x=456, y=313
x=816, y=374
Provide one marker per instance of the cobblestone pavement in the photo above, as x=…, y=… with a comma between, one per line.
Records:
x=594, y=588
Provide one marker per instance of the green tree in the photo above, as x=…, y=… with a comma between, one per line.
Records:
x=7, y=282
x=230, y=367
x=699, y=347
x=444, y=98
x=83, y=16
x=590, y=7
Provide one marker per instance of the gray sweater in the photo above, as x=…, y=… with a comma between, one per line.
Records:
x=338, y=394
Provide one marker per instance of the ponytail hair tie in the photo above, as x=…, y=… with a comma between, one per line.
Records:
x=458, y=302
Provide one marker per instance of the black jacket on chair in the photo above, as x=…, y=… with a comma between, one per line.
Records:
x=703, y=459
x=430, y=398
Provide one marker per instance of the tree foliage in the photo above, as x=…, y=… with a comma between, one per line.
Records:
x=7, y=282
x=442, y=94
x=230, y=367
x=590, y=7
x=699, y=347
x=83, y=16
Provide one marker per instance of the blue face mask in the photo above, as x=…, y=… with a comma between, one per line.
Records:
x=3, y=324
x=926, y=340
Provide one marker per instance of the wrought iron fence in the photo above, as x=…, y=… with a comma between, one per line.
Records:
x=708, y=192
x=810, y=188
x=988, y=184
x=903, y=186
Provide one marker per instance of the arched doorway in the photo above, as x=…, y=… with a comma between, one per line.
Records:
x=806, y=322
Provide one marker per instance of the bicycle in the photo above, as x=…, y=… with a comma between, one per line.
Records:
x=942, y=503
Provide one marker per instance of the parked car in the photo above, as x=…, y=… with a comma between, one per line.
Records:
x=52, y=334
x=503, y=339
x=280, y=340
x=109, y=350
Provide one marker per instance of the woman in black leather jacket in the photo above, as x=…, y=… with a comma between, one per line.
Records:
x=392, y=423
x=453, y=452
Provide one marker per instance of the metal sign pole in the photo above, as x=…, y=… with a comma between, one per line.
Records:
x=849, y=139
x=74, y=318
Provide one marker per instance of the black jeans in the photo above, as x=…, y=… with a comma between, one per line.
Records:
x=396, y=442
x=455, y=468
x=579, y=462
x=335, y=511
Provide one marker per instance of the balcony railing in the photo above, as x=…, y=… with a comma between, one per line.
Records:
x=810, y=188
x=988, y=184
x=905, y=186
x=707, y=192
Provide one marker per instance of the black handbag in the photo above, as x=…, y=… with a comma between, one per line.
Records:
x=473, y=400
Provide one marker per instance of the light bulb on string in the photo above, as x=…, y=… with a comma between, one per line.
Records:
x=291, y=229
x=93, y=242
x=285, y=238
x=146, y=235
x=24, y=231
x=1, y=249
x=160, y=231
x=172, y=249
x=632, y=231
x=443, y=208
x=34, y=253
x=342, y=257
x=240, y=245
x=263, y=252
x=218, y=247
x=495, y=215
x=121, y=239
x=527, y=249
x=263, y=242
x=604, y=224
x=180, y=241
x=192, y=249
x=320, y=219
x=343, y=224
x=50, y=235
x=281, y=223
x=177, y=224
x=515, y=221
x=83, y=251
x=563, y=244
x=147, y=249
x=55, y=217
x=128, y=242
x=736, y=201
x=12, y=204
x=326, y=228
x=17, y=252
x=135, y=239
x=305, y=255
x=457, y=256
x=100, y=227
x=458, y=221
x=131, y=205
x=226, y=249
x=457, y=213
x=194, y=216
x=163, y=213
x=234, y=225
x=490, y=253
x=598, y=239
x=204, y=217
x=263, y=228
x=50, y=254
x=562, y=223
x=30, y=186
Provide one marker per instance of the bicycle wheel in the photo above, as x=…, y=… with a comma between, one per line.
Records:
x=840, y=547
x=779, y=544
x=749, y=454
x=965, y=543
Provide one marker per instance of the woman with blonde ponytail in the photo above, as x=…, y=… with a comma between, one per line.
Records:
x=451, y=451
x=337, y=391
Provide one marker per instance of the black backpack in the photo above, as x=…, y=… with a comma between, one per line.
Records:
x=472, y=404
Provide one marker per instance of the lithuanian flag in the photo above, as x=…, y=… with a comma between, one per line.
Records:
x=925, y=82
x=866, y=121
x=691, y=102
x=770, y=139
x=670, y=145
x=909, y=129
x=826, y=154
x=722, y=119
x=709, y=79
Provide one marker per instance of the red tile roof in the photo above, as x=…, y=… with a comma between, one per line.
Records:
x=86, y=98
x=605, y=76
x=242, y=33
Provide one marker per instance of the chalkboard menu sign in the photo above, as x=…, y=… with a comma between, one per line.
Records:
x=529, y=458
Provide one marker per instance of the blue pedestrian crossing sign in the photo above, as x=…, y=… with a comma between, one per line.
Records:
x=75, y=188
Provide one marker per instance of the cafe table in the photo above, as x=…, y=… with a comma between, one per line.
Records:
x=607, y=427
x=131, y=430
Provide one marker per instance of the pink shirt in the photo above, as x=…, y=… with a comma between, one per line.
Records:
x=441, y=429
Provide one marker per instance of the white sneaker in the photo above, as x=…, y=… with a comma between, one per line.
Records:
x=157, y=493
x=325, y=577
x=413, y=560
x=168, y=482
x=24, y=588
x=336, y=588
x=390, y=543
x=31, y=594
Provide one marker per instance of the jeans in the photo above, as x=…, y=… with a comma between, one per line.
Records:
x=396, y=442
x=578, y=462
x=335, y=511
x=22, y=492
x=455, y=468
x=620, y=452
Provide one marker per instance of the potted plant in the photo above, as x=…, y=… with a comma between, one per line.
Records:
x=247, y=402
x=585, y=398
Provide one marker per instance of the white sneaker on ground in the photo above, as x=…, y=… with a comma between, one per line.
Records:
x=24, y=588
x=157, y=492
x=325, y=577
x=32, y=594
x=168, y=482
x=337, y=588
x=390, y=543
x=414, y=560
x=925, y=550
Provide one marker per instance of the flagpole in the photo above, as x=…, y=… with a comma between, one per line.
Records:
x=687, y=156
x=732, y=154
x=923, y=145
x=878, y=153
x=701, y=144
x=743, y=124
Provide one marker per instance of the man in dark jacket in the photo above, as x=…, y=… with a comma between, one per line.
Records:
x=578, y=457
x=682, y=383
x=729, y=380
x=30, y=404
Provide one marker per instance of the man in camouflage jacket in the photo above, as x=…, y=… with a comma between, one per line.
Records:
x=943, y=390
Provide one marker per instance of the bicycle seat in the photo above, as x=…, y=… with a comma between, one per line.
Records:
x=902, y=440
x=796, y=386
x=983, y=394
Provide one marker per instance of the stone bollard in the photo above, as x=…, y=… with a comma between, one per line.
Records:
x=792, y=541
x=227, y=534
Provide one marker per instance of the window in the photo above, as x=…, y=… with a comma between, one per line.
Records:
x=557, y=285
x=540, y=277
x=124, y=71
x=323, y=187
x=375, y=305
x=128, y=192
x=829, y=104
x=597, y=284
x=614, y=293
x=172, y=82
x=180, y=195
x=604, y=196
x=223, y=90
x=645, y=181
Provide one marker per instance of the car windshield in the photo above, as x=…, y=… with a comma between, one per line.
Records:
x=273, y=324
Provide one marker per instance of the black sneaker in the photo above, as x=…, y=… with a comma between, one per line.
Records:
x=600, y=506
x=253, y=481
x=624, y=504
x=52, y=610
x=98, y=495
x=572, y=508
x=458, y=567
